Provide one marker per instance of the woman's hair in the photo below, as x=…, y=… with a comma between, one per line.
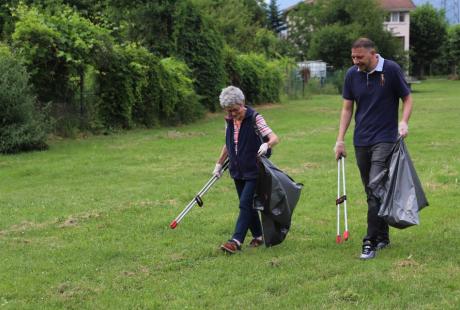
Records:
x=230, y=96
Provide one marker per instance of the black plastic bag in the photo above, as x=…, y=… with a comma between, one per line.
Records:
x=399, y=189
x=276, y=196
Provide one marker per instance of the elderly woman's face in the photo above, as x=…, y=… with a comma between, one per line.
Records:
x=237, y=111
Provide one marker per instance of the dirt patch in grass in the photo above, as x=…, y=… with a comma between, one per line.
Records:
x=434, y=186
x=305, y=166
x=407, y=262
x=174, y=134
x=70, y=222
x=24, y=226
x=68, y=290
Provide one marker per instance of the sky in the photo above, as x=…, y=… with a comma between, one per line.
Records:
x=283, y=4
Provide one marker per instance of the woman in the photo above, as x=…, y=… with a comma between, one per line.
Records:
x=243, y=144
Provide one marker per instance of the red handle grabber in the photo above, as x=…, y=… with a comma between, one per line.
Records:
x=341, y=199
x=198, y=198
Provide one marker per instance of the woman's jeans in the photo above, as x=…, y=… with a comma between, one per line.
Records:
x=248, y=217
x=371, y=161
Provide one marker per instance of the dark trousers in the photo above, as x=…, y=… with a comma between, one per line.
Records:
x=372, y=160
x=248, y=217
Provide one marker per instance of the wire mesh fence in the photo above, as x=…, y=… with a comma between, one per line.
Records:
x=302, y=82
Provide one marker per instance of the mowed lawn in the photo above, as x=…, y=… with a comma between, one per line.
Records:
x=85, y=225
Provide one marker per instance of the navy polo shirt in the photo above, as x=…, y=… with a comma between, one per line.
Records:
x=377, y=100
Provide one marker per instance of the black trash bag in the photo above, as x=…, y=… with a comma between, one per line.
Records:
x=276, y=197
x=399, y=189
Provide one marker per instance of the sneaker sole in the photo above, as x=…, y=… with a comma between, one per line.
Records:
x=226, y=250
x=383, y=247
x=367, y=257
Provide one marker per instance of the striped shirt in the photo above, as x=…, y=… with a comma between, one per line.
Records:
x=262, y=127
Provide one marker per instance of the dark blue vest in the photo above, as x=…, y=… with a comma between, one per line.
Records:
x=243, y=165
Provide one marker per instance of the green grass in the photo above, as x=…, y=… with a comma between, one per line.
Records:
x=85, y=225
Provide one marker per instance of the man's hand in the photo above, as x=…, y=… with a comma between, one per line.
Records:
x=263, y=149
x=403, y=129
x=339, y=150
x=217, y=170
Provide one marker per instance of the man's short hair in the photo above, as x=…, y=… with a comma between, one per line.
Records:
x=364, y=43
x=230, y=96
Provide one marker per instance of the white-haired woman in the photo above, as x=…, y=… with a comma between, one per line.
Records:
x=244, y=130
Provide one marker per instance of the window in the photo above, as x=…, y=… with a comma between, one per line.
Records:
x=402, y=16
x=396, y=17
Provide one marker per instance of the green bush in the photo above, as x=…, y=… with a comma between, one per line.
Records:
x=22, y=126
x=200, y=46
x=135, y=88
x=259, y=79
x=180, y=102
x=115, y=88
x=230, y=66
x=58, y=46
x=163, y=91
x=145, y=72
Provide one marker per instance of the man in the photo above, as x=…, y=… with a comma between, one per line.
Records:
x=375, y=84
x=243, y=145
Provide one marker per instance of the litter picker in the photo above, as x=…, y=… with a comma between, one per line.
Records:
x=341, y=199
x=198, y=198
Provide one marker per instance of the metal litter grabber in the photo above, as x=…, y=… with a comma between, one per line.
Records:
x=198, y=198
x=341, y=199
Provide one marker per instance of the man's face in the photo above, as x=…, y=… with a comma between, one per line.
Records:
x=363, y=58
x=237, y=111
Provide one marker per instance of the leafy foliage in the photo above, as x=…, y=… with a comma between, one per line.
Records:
x=150, y=23
x=22, y=125
x=454, y=48
x=235, y=20
x=275, y=19
x=332, y=44
x=201, y=48
x=325, y=30
x=98, y=63
x=180, y=102
x=73, y=41
x=426, y=25
x=115, y=88
x=259, y=79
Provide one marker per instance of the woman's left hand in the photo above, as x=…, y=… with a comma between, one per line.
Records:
x=262, y=149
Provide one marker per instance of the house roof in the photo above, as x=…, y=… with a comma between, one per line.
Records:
x=397, y=5
x=389, y=5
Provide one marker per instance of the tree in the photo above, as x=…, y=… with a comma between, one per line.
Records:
x=453, y=47
x=237, y=21
x=300, y=26
x=22, y=125
x=428, y=29
x=275, y=20
x=267, y=43
x=325, y=30
x=201, y=47
x=332, y=44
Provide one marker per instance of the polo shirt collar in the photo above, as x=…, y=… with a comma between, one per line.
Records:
x=379, y=67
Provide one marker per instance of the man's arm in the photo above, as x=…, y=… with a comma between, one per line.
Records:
x=345, y=119
x=406, y=112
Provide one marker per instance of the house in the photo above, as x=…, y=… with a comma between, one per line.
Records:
x=397, y=20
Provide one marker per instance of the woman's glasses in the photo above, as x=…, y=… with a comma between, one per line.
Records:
x=233, y=110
